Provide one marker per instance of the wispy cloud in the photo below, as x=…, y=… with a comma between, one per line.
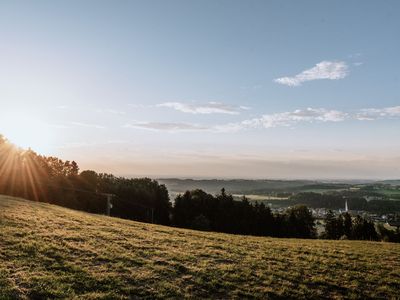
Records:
x=206, y=108
x=92, y=144
x=211, y=107
x=281, y=119
x=88, y=125
x=370, y=114
x=355, y=55
x=324, y=70
x=308, y=115
x=165, y=126
x=285, y=119
x=312, y=115
x=139, y=106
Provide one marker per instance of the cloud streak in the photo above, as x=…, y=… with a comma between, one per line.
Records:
x=282, y=119
x=332, y=70
x=286, y=119
x=312, y=115
x=80, y=124
x=371, y=114
x=166, y=126
x=207, y=108
x=307, y=115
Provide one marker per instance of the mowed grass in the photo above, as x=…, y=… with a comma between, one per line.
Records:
x=52, y=252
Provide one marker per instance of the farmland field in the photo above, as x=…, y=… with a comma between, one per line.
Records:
x=51, y=252
x=259, y=197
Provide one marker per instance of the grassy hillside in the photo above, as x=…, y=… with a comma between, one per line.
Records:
x=53, y=252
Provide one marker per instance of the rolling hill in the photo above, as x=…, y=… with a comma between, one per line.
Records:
x=255, y=186
x=51, y=252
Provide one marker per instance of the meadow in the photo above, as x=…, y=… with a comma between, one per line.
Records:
x=49, y=252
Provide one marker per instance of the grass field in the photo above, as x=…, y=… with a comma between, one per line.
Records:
x=389, y=192
x=52, y=252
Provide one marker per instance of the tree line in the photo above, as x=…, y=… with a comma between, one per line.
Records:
x=24, y=173
x=202, y=211
x=344, y=226
x=199, y=210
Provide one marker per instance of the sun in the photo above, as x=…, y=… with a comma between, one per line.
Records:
x=27, y=131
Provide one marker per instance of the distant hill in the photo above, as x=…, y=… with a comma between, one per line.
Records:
x=391, y=182
x=232, y=186
x=245, y=186
x=49, y=252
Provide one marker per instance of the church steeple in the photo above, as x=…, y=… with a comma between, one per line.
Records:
x=346, y=208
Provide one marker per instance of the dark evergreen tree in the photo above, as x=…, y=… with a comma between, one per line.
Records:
x=300, y=222
x=347, y=225
x=330, y=225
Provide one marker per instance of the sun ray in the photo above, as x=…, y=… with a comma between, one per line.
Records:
x=34, y=175
x=8, y=169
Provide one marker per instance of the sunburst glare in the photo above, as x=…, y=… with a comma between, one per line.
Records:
x=28, y=131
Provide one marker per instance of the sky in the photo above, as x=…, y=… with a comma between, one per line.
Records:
x=206, y=89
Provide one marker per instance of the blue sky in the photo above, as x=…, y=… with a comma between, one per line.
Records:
x=244, y=89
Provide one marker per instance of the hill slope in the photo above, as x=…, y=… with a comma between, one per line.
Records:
x=49, y=251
